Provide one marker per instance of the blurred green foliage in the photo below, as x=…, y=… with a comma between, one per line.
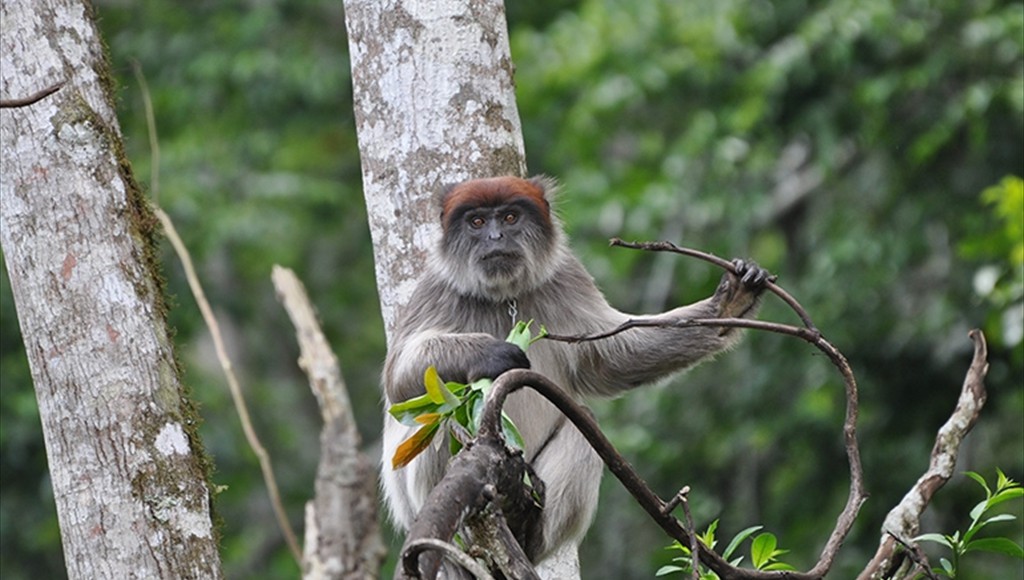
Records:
x=845, y=145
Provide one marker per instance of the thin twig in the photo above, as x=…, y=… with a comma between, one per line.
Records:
x=857, y=494
x=211, y=322
x=31, y=99
x=918, y=557
x=684, y=498
x=154, y=143
x=666, y=246
x=233, y=385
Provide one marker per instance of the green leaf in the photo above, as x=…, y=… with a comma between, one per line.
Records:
x=511, y=432
x=762, y=549
x=481, y=384
x=520, y=335
x=454, y=445
x=981, y=481
x=778, y=566
x=437, y=390
x=708, y=537
x=1001, y=480
x=977, y=527
x=937, y=538
x=475, y=405
x=978, y=509
x=666, y=570
x=407, y=412
x=998, y=518
x=1004, y=546
x=1005, y=495
x=419, y=402
x=738, y=539
x=947, y=567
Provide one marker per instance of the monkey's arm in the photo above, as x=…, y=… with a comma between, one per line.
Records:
x=646, y=354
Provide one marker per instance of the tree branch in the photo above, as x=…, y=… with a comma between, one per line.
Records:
x=31, y=99
x=342, y=537
x=666, y=246
x=485, y=472
x=414, y=549
x=233, y=386
x=857, y=494
x=904, y=520
x=516, y=379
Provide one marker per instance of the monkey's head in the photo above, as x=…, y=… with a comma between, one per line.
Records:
x=499, y=236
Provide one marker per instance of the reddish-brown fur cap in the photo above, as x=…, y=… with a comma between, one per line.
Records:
x=494, y=191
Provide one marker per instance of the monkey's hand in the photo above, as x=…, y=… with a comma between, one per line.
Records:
x=739, y=294
x=494, y=358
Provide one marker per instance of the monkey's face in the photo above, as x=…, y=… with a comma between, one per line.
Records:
x=497, y=248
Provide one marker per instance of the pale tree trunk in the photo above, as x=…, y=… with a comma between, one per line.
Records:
x=128, y=471
x=435, y=104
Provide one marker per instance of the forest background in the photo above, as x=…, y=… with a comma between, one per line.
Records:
x=868, y=151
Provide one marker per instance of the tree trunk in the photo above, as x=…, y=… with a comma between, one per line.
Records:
x=128, y=470
x=434, y=99
x=434, y=105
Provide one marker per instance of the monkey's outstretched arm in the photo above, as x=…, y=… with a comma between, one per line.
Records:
x=646, y=354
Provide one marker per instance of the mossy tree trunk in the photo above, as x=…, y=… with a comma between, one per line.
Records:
x=128, y=471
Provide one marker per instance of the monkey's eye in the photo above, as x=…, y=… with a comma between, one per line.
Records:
x=477, y=222
x=511, y=218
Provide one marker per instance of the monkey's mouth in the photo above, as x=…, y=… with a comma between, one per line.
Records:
x=500, y=263
x=500, y=255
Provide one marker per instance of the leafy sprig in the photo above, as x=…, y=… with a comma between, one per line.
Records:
x=764, y=552
x=453, y=406
x=959, y=545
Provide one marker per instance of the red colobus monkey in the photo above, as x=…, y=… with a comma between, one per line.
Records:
x=503, y=247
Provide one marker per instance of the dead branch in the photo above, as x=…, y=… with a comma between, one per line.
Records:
x=266, y=468
x=904, y=521
x=342, y=537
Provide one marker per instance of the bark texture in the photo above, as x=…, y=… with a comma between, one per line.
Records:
x=434, y=105
x=128, y=472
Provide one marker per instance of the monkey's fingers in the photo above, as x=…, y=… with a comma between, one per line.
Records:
x=751, y=275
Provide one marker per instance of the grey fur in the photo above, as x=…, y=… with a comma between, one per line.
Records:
x=456, y=310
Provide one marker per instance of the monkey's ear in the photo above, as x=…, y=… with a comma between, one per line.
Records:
x=438, y=198
x=440, y=195
x=547, y=184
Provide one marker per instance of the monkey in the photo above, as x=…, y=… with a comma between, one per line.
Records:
x=504, y=251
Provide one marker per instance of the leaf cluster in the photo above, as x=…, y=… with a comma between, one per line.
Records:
x=457, y=406
x=960, y=545
x=764, y=552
